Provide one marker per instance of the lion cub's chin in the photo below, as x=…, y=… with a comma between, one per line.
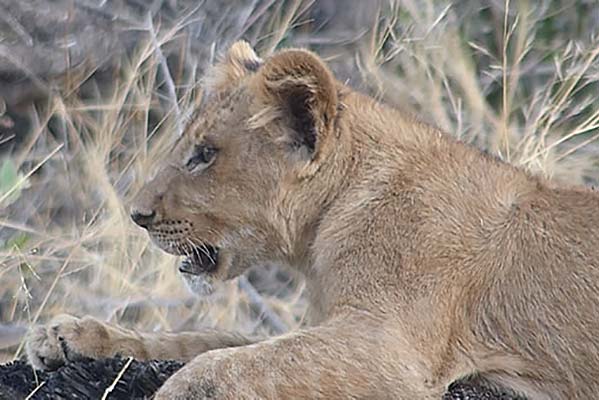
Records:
x=200, y=285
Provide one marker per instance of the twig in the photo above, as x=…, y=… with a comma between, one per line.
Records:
x=110, y=388
x=256, y=300
x=9, y=55
x=16, y=26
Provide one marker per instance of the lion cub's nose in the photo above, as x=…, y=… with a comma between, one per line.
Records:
x=143, y=218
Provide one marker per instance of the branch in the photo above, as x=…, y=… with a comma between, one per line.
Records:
x=270, y=317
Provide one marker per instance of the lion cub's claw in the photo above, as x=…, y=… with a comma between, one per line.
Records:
x=64, y=338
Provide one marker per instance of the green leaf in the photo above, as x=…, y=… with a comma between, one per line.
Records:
x=17, y=242
x=11, y=182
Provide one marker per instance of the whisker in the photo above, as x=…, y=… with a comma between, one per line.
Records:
x=205, y=250
x=192, y=247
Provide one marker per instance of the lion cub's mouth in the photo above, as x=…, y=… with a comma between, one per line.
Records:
x=202, y=259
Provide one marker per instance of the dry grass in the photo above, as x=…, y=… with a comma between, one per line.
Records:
x=521, y=83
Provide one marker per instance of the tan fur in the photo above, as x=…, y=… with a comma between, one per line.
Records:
x=426, y=259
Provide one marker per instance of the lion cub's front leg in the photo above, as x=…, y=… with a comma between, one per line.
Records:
x=348, y=359
x=67, y=338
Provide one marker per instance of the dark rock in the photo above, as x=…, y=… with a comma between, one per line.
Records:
x=89, y=379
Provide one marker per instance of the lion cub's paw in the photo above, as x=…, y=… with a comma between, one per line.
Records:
x=66, y=338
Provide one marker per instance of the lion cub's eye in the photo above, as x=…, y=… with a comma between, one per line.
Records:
x=202, y=155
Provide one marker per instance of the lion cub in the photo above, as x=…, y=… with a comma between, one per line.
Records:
x=427, y=260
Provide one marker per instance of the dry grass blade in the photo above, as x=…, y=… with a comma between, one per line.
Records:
x=110, y=388
x=34, y=391
x=166, y=74
x=24, y=178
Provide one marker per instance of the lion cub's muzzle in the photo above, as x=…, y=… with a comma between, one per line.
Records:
x=202, y=259
x=172, y=237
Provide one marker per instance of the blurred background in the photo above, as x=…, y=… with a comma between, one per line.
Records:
x=92, y=91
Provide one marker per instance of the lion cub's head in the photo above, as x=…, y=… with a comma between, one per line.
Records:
x=242, y=184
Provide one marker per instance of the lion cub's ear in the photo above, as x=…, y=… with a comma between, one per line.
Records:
x=303, y=90
x=239, y=61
